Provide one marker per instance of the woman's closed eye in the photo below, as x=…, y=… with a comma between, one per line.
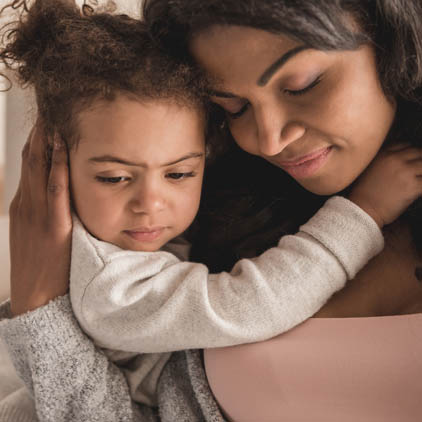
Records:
x=234, y=110
x=233, y=107
x=237, y=114
x=304, y=90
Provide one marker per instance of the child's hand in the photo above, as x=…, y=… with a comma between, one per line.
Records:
x=390, y=184
x=40, y=227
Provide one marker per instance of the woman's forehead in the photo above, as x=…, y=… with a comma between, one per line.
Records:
x=244, y=53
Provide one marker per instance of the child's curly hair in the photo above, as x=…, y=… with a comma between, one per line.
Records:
x=73, y=56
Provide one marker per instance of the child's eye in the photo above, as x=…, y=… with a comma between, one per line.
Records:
x=180, y=176
x=304, y=90
x=112, y=180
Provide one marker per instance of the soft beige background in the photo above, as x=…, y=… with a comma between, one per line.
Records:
x=16, y=117
x=4, y=258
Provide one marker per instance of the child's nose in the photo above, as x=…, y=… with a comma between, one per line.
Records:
x=148, y=199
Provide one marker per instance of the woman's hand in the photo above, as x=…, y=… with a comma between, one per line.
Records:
x=40, y=226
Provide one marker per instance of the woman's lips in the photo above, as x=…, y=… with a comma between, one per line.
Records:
x=146, y=235
x=307, y=165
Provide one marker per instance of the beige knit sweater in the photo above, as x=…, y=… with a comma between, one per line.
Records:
x=140, y=306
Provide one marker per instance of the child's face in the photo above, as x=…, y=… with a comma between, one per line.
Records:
x=137, y=171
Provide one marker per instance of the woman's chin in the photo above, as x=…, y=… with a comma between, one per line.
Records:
x=324, y=187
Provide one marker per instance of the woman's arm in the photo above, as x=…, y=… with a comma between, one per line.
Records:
x=68, y=377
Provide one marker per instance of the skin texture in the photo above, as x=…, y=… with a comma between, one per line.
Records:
x=142, y=192
x=345, y=111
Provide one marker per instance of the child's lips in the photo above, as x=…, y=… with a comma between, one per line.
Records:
x=146, y=234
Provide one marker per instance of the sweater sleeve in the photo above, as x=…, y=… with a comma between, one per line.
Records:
x=70, y=380
x=152, y=302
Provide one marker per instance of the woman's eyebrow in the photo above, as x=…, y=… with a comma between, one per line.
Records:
x=268, y=74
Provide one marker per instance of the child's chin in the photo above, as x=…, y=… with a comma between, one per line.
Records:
x=147, y=248
x=130, y=245
x=143, y=247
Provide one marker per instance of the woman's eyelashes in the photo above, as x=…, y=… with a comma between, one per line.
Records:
x=239, y=113
x=291, y=92
x=304, y=90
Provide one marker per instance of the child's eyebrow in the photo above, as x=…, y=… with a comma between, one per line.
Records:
x=114, y=159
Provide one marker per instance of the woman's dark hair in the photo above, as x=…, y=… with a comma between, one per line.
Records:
x=394, y=27
x=73, y=56
x=267, y=203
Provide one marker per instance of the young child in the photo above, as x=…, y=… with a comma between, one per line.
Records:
x=135, y=125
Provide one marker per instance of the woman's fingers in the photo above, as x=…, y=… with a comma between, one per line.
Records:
x=58, y=187
x=37, y=164
x=24, y=182
x=40, y=228
x=33, y=195
x=15, y=203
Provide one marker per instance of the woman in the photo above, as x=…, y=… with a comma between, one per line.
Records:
x=312, y=90
x=184, y=394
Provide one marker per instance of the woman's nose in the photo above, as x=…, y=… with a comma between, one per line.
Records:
x=275, y=133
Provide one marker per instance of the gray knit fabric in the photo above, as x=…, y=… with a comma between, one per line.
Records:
x=183, y=391
x=75, y=382
x=16, y=404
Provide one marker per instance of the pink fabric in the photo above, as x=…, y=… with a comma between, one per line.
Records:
x=328, y=370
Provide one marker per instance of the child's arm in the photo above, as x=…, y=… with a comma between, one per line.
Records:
x=152, y=302
x=177, y=305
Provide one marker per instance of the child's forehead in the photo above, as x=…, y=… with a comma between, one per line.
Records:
x=138, y=126
x=130, y=100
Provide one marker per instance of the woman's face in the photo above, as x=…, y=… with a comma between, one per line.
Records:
x=320, y=116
